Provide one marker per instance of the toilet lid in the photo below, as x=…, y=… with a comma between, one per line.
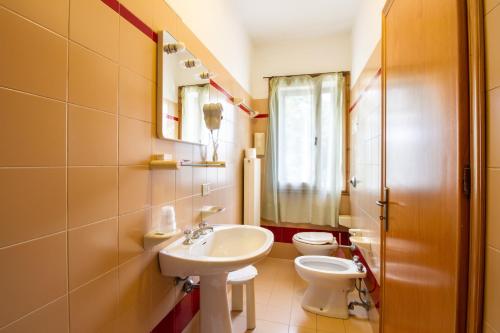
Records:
x=315, y=237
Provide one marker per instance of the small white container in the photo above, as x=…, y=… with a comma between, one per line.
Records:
x=250, y=153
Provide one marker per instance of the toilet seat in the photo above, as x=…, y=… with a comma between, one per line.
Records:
x=315, y=243
x=314, y=238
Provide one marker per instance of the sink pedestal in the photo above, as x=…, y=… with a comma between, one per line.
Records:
x=214, y=307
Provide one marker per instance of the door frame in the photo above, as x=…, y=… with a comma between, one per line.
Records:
x=477, y=201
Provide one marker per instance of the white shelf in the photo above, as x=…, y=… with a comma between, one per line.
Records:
x=154, y=238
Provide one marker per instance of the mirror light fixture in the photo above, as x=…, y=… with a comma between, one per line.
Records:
x=190, y=63
x=172, y=48
x=206, y=75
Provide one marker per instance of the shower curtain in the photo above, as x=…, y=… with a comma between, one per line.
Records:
x=305, y=149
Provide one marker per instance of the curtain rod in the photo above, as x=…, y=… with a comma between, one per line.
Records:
x=313, y=74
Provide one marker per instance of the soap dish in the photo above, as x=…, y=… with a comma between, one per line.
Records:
x=154, y=238
x=211, y=210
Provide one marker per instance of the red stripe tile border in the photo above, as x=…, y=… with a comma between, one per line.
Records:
x=285, y=234
x=113, y=4
x=222, y=90
x=175, y=118
x=180, y=316
x=131, y=18
x=375, y=77
x=262, y=115
x=244, y=108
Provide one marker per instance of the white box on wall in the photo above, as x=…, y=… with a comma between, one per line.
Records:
x=259, y=142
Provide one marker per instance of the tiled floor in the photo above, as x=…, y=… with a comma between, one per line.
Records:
x=278, y=291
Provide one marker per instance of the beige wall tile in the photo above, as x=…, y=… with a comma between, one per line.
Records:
x=92, y=137
x=92, y=194
x=101, y=33
x=137, y=51
x=136, y=96
x=26, y=282
x=132, y=228
x=163, y=186
x=492, y=296
x=488, y=329
x=53, y=17
x=199, y=178
x=134, y=142
x=164, y=18
x=492, y=29
x=183, y=176
x=135, y=295
x=36, y=64
x=490, y=4
x=492, y=208
x=93, y=250
x=135, y=188
x=492, y=123
x=94, y=307
x=93, y=80
x=32, y=130
x=184, y=213
x=33, y=203
x=52, y=318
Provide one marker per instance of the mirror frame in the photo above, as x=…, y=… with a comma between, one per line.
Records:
x=160, y=110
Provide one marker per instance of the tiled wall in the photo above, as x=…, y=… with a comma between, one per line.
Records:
x=77, y=123
x=365, y=153
x=365, y=130
x=492, y=290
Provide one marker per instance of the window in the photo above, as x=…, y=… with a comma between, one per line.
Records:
x=296, y=136
x=306, y=126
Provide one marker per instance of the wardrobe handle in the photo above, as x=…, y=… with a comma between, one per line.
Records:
x=385, y=208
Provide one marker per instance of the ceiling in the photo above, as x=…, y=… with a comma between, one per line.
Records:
x=273, y=20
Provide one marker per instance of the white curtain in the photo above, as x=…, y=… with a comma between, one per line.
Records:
x=305, y=149
x=193, y=128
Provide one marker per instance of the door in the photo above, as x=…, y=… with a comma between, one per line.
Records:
x=425, y=152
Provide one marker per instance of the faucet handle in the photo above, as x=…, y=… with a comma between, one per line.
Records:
x=355, y=259
x=188, y=233
x=360, y=266
x=203, y=224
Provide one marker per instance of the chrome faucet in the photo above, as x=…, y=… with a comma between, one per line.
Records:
x=203, y=229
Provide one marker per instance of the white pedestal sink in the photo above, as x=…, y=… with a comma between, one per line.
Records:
x=212, y=257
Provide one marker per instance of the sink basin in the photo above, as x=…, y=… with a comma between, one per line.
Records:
x=228, y=248
x=212, y=257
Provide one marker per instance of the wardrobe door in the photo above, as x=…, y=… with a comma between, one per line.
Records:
x=425, y=151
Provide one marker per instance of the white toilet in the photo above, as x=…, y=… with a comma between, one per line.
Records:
x=315, y=243
x=329, y=280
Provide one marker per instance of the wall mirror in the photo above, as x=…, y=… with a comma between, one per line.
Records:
x=183, y=89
